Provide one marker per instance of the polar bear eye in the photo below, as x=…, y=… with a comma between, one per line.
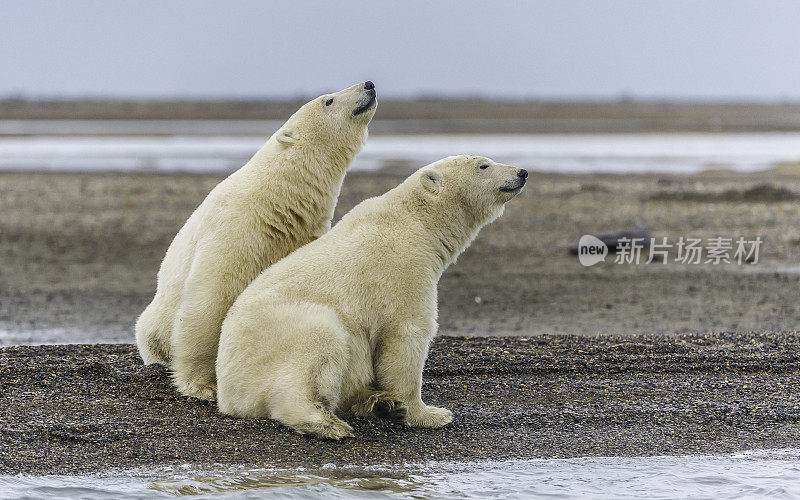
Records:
x=329, y=101
x=484, y=166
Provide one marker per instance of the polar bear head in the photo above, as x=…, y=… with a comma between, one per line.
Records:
x=476, y=185
x=334, y=121
x=458, y=195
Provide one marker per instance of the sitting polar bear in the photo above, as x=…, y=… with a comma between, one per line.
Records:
x=342, y=325
x=280, y=200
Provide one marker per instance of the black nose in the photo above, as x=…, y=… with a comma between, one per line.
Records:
x=369, y=85
x=522, y=173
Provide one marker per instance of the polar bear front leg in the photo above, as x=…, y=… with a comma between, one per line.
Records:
x=399, y=370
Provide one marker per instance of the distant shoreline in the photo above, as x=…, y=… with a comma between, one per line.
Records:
x=447, y=115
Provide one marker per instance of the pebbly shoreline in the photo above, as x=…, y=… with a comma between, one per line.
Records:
x=71, y=409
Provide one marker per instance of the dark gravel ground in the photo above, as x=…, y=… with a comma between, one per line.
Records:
x=68, y=409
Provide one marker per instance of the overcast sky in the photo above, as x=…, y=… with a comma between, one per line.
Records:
x=725, y=49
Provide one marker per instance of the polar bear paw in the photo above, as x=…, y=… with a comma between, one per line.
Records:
x=429, y=416
x=331, y=427
x=380, y=404
x=207, y=392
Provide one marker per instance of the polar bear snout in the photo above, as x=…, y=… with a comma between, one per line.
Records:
x=368, y=100
x=515, y=184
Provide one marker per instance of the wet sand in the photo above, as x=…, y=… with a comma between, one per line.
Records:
x=84, y=408
x=79, y=254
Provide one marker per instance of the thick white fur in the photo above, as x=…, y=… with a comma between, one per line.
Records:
x=342, y=326
x=281, y=199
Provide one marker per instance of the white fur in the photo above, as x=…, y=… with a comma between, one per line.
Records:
x=281, y=199
x=342, y=326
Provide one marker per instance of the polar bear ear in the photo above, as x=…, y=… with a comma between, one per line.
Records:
x=286, y=137
x=432, y=181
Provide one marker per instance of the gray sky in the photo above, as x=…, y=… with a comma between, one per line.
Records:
x=551, y=49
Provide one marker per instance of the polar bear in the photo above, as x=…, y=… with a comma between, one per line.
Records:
x=278, y=201
x=342, y=326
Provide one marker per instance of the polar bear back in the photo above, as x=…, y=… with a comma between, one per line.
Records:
x=384, y=258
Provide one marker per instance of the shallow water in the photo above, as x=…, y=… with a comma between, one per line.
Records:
x=771, y=474
x=195, y=148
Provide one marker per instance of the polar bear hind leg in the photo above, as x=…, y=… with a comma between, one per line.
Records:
x=292, y=369
x=153, y=330
x=308, y=406
x=195, y=336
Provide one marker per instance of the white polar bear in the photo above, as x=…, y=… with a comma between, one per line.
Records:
x=278, y=201
x=342, y=325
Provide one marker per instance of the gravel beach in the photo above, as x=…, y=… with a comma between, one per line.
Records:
x=615, y=359
x=82, y=408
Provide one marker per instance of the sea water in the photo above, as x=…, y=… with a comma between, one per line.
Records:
x=195, y=147
x=772, y=474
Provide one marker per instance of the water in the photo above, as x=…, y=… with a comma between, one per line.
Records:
x=262, y=128
x=773, y=474
x=223, y=146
